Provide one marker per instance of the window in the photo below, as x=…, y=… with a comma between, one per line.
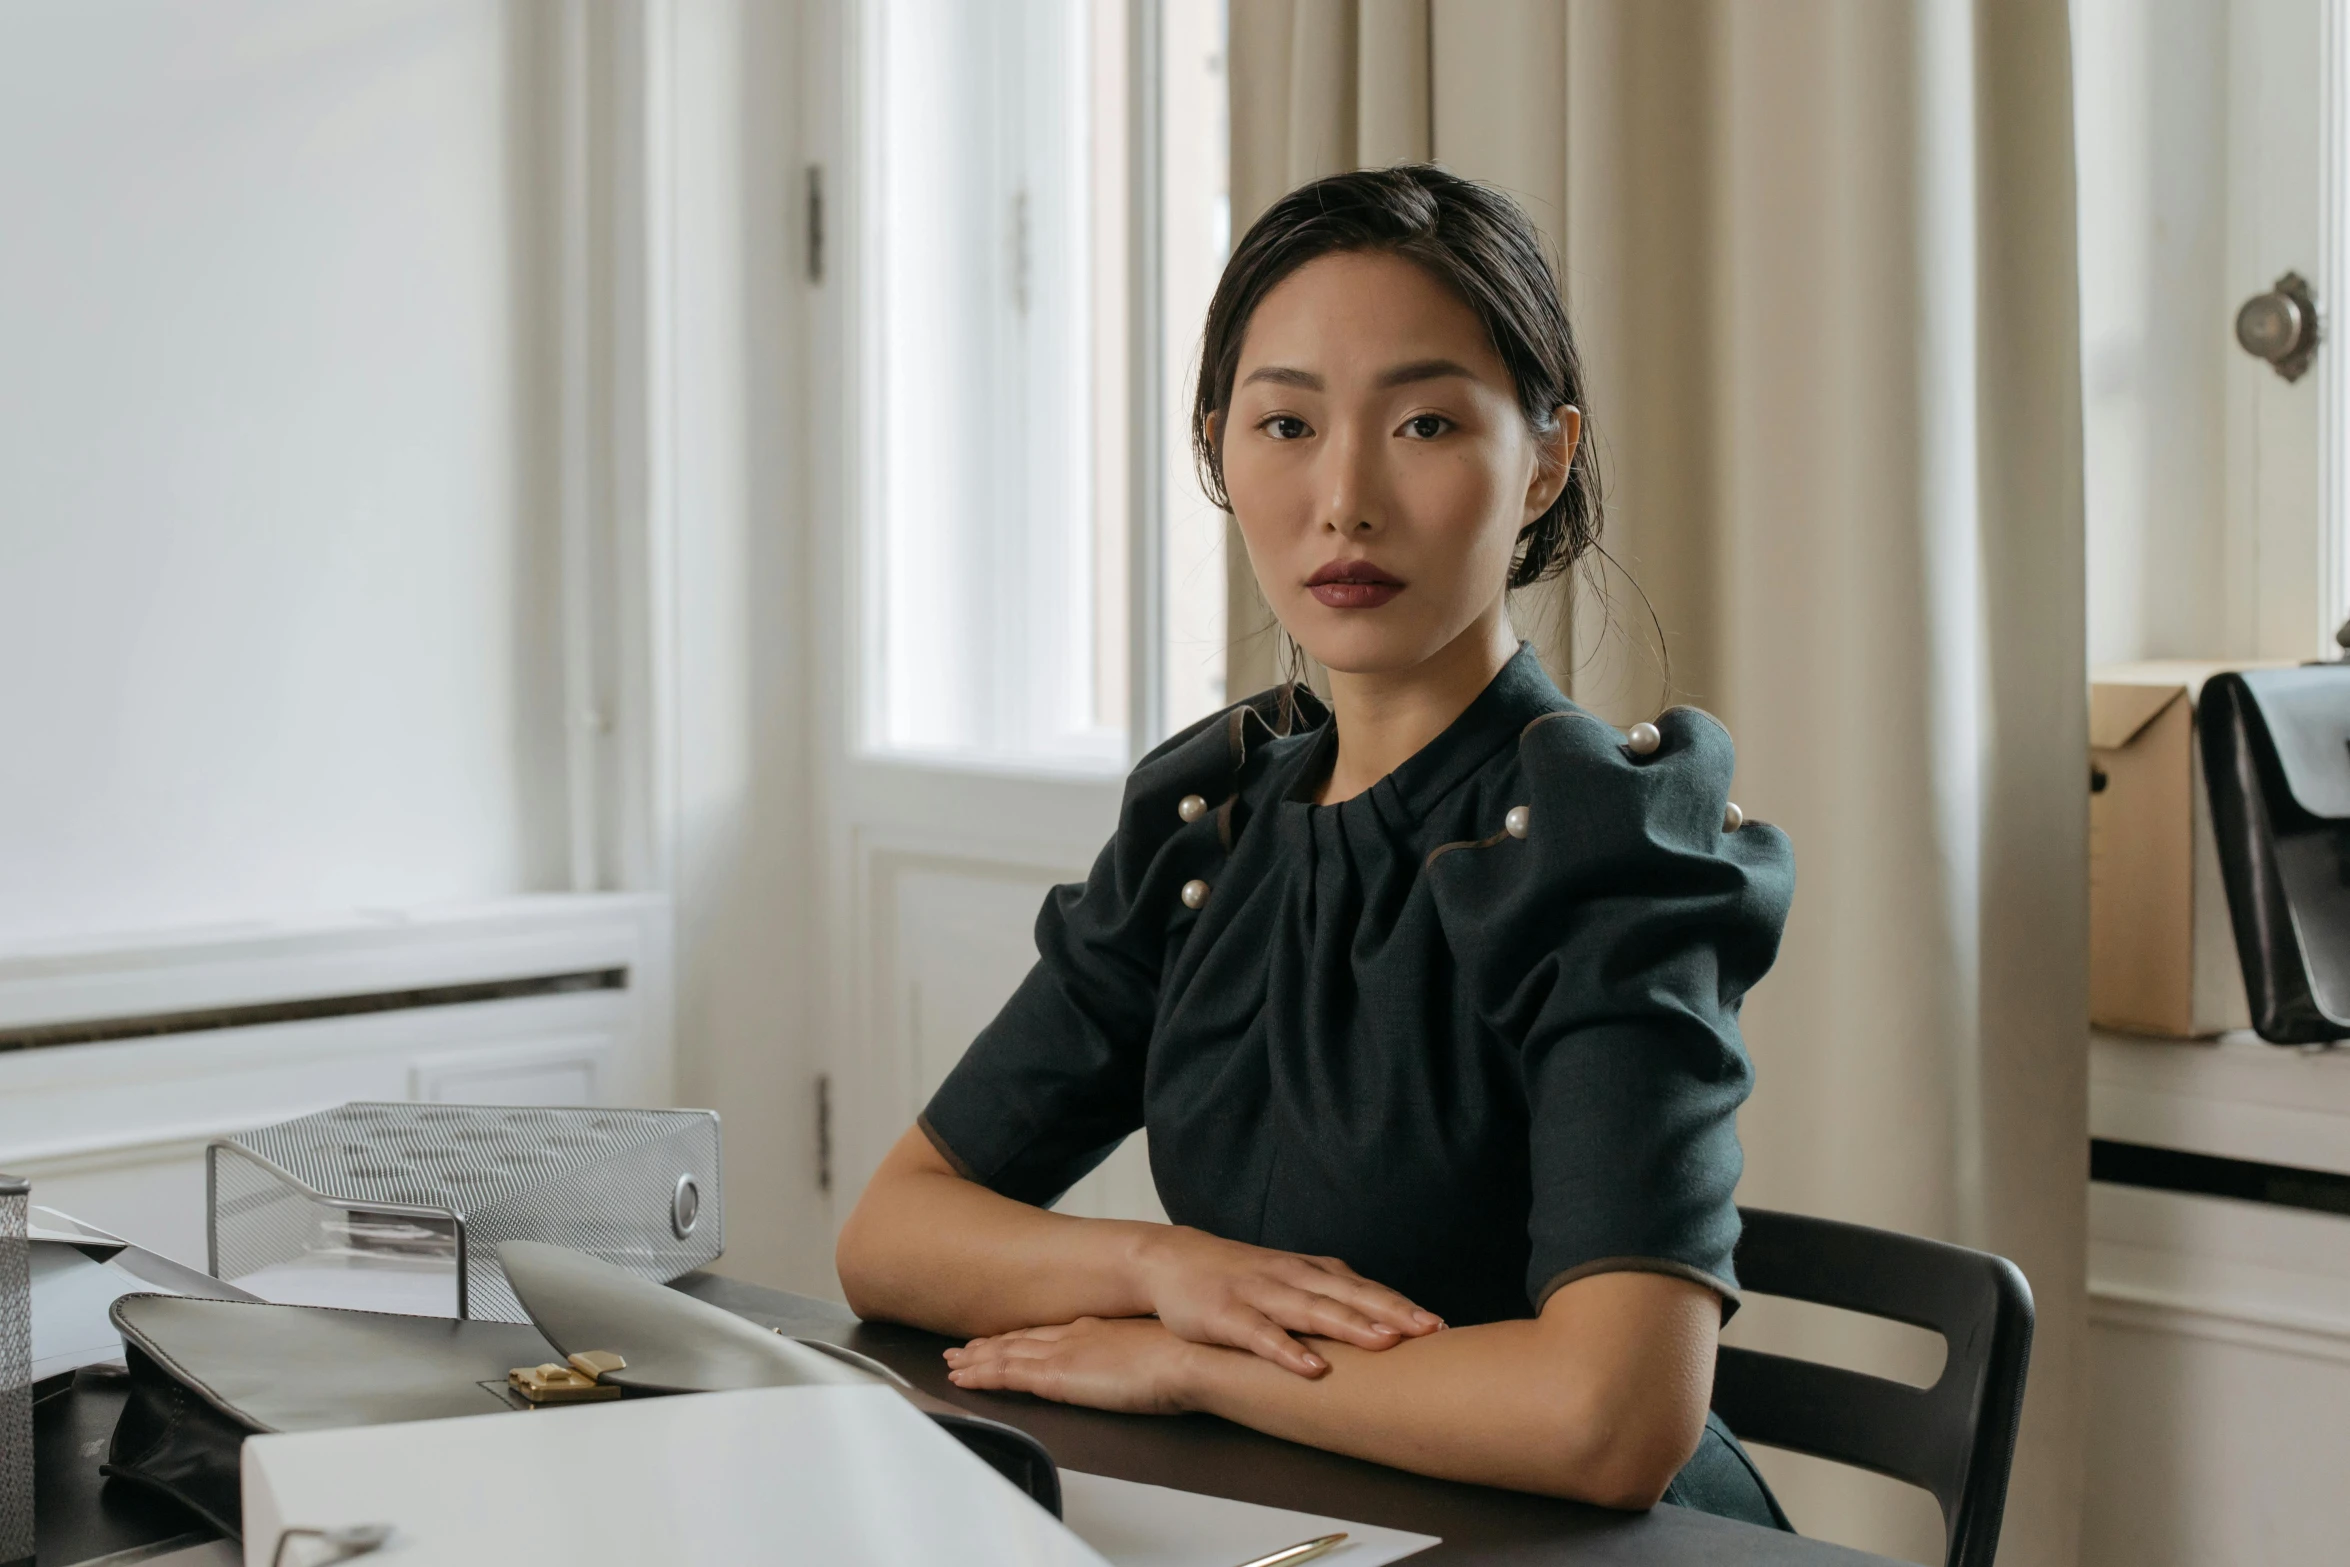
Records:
x=1043, y=584
x=1196, y=237
x=2212, y=156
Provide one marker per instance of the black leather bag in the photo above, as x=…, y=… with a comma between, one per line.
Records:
x=206, y=1374
x=2276, y=762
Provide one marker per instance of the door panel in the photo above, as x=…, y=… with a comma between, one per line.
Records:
x=959, y=945
x=949, y=870
x=960, y=941
x=977, y=697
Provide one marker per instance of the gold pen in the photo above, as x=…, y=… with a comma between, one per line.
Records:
x=1303, y=1551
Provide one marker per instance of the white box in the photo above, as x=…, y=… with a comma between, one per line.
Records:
x=846, y=1476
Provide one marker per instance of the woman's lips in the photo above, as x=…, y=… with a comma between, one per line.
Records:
x=1353, y=584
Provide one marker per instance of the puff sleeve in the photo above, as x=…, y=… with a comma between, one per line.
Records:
x=1051, y=1087
x=1612, y=946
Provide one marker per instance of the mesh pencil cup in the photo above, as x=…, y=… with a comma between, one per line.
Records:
x=16, y=1375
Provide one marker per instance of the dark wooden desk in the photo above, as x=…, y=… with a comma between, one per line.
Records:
x=1480, y=1527
x=80, y=1517
x=77, y=1515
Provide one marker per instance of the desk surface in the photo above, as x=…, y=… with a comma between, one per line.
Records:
x=82, y=1519
x=1481, y=1527
x=77, y=1517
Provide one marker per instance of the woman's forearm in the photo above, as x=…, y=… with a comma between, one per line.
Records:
x=1565, y=1407
x=930, y=1249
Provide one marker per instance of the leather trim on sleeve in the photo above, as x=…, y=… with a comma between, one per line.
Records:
x=1462, y=843
x=1664, y=1265
x=955, y=1161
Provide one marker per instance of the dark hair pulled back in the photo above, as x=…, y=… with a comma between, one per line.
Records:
x=1477, y=242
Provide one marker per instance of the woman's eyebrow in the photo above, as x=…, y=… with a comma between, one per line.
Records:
x=1425, y=370
x=1401, y=375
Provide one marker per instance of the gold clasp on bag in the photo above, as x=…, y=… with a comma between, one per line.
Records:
x=574, y=1382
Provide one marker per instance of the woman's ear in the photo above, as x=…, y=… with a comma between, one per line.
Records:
x=1555, y=459
x=1214, y=426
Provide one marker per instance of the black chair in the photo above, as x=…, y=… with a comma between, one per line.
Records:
x=1955, y=1438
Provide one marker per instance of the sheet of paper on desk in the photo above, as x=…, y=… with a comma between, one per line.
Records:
x=212, y=1553
x=843, y=1476
x=1138, y=1525
x=70, y=1297
x=78, y=1272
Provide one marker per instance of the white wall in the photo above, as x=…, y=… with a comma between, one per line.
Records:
x=290, y=296
x=271, y=591
x=2151, y=83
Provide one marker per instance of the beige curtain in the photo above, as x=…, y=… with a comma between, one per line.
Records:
x=1821, y=257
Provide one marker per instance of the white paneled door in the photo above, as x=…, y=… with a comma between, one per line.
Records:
x=939, y=874
x=1001, y=609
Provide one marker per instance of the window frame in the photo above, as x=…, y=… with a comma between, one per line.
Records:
x=1143, y=408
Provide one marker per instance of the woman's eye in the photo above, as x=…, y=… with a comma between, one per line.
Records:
x=1426, y=427
x=1284, y=427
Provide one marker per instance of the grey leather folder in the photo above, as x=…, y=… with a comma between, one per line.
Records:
x=205, y=1374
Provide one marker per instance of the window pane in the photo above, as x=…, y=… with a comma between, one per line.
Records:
x=1000, y=424
x=985, y=611
x=1196, y=229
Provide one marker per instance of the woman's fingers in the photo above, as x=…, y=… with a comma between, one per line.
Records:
x=1005, y=1365
x=1244, y=1327
x=1130, y=1363
x=1278, y=1347
x=1307, y=1311
x=1374, y=1301
x=1006, y=1343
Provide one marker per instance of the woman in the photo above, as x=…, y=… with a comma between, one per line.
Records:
x=1428, y=999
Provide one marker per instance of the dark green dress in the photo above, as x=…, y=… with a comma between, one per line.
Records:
x=1477, y=1063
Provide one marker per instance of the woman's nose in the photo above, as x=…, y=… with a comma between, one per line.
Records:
x=1350, y=491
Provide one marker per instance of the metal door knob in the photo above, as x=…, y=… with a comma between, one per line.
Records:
x=2281, y=326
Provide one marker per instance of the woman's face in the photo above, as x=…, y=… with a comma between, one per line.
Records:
x=1378, y=464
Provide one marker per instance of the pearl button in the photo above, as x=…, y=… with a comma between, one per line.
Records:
x=1191, y=807
x=1733, y=818
x=1515, y=822
x=1644, y=739
x=1195, y=893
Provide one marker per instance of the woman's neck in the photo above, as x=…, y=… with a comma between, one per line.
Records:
x=1384, y=718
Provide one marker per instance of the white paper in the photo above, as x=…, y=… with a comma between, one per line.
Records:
x=420, y=1287
x=1137, y=1525
x=839, y=1475
x=47, y=1224
x=212, y=1553
x=71, y=1295
x=72, y=1291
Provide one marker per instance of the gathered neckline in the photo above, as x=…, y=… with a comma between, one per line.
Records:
x=1520, y=692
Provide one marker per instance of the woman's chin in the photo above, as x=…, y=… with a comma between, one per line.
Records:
x=1369, y=648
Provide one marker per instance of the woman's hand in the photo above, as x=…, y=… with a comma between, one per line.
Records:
x=1129, y=1364
x=1214, y=1291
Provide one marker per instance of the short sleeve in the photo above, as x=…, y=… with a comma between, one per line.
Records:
x=1051, y=1087
x=1054, y=1083
x=1613, y=945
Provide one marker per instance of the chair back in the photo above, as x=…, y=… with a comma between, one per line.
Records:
x=1955, y=1438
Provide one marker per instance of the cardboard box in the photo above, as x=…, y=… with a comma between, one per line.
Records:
x=2162, y=955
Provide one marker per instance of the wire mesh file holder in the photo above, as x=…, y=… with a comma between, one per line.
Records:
x=413, y=1200
x=16, y=1374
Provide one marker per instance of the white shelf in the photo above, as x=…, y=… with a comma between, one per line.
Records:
x=2215, y=1267
x=2237, y=1097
